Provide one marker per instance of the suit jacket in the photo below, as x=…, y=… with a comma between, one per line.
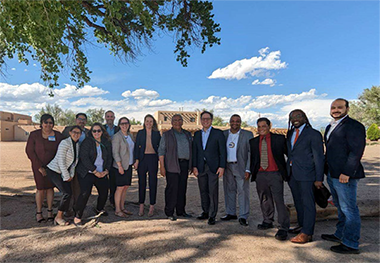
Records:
x=88, y=154
x=279, y=150
x=141, y=143
x=117, y=128
x=306, y=156
x=345, y=148
x=120, y=150
x=214, y=155
x=66, y=131
x=63, y=162
x=242, y=151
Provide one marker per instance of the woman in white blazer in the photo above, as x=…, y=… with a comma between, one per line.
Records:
x=122, y=151
x=61, y=171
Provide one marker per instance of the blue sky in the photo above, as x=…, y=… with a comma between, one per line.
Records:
x=274, y=56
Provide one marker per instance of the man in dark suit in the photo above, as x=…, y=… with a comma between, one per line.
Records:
x=110, y=127
x=305, y=166
x=209, y=161
x=345, y=143
x=268, y=169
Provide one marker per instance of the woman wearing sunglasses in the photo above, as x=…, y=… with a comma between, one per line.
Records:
x=62, y=168
x=146, y=149
x=122, y=151
x=41, y=148
x=95, y=160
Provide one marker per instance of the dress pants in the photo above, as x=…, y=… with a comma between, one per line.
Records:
x=86, y=184
x=208, y=183
x=270, y=187
x=149, y=164
x=63, y=186
x=112, y=183
x=175, y=191
x=304, y=201
x=234, y=184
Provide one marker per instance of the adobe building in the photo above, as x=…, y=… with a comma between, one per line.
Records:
x=10, y=126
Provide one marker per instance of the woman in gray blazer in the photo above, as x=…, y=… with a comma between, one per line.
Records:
x=122, y=151
x=61, y=170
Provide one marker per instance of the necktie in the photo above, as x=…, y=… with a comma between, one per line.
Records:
x=297, y=134
x=264, y=154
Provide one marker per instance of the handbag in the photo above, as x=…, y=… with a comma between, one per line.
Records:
x=321, y=196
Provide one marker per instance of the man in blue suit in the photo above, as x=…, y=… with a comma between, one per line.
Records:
x=305, y=166
x=345, y=143
x=209, y=162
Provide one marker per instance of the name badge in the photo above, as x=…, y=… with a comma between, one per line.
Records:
x=51, y=138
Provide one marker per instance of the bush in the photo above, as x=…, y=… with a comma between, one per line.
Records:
x=373, y=132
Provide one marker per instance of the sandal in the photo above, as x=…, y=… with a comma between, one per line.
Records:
x=50, y=218
x=121, y=214
x=60, y=222
x=125, y=211
x=151, y=212
x=41, y=219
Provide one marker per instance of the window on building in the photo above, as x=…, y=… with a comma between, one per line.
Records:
x=192, y=119
x=165, y=118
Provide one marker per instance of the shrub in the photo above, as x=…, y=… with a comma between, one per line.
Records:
x=373, y=132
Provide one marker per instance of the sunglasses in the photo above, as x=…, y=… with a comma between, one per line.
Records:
x=124, y=123
x=48, y=122
x=95, y=131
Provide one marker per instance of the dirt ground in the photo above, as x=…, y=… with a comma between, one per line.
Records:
x=158, y=239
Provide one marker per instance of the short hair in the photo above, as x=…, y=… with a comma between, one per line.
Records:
x=75, y=127
x=346, y=101
x=263, y=119
x=124, y=118
x=207, y=112
x=45, y=117
x=235, y=115
x=80, y=113
x=109, y=112
x=177, y=115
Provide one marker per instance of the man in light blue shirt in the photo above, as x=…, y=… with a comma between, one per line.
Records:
x=110, y=127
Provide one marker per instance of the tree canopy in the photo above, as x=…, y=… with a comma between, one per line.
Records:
x=54, y=33
x=367, y=108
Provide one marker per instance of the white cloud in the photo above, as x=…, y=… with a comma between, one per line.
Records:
x=240, y=69
x=70, y=91
x=34, y=65
x=13, y=68
x=141, y=94
x=25, y=70
x=270, y=82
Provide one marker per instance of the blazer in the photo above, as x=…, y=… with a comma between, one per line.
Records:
x=88, y=154
x=66, y=131
x=279, y=150
x=307, y=155
x=63, y=162
x=117, y=128
x=345, y=148
x=120, y=150
x=243, y=151
x=141, y=143
x=214, y=155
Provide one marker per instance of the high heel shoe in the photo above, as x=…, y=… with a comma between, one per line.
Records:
x=41, y=219
x=60, y=222
x=151, y=212
x=50, y=218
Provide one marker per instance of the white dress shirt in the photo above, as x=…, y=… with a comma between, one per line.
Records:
x=232, y=142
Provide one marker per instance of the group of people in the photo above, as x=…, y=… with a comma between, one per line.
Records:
x=105, y=155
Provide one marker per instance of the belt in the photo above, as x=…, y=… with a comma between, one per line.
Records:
x=232, y=162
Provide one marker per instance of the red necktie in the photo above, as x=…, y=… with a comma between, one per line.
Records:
x=297, y=134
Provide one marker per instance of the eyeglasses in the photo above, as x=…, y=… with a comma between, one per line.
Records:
x=48, y=122
x=76, y=133
x=124, y=123
x=205, y=119
x=96, y=131
x=81, y=119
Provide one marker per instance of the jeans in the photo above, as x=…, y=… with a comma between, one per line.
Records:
x=344, y=197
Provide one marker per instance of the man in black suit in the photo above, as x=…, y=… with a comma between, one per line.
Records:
x=305, y=166
x=209, y=161
x=345, y=143
x=268, y=169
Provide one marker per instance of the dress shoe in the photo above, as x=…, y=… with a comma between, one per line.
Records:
x=211, y=221
x=281, y=235
x=202, y=216
x=295, y=230
x=342, y=249
x=243, y=222
x=330, y=238
x=172, y=218
x=264, y=226
x=301, y=238
x=185, y=215
x=228, y=217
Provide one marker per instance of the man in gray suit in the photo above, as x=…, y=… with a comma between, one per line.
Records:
x=235, y=180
